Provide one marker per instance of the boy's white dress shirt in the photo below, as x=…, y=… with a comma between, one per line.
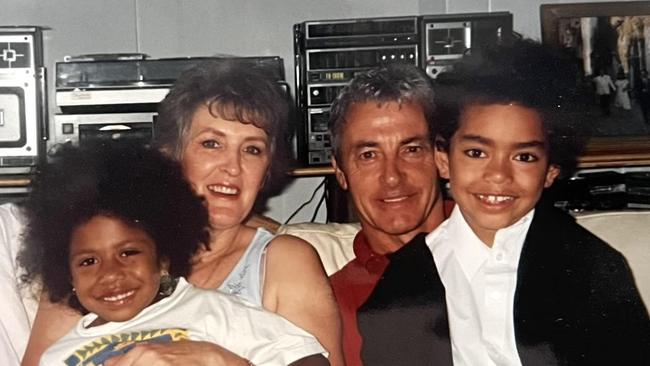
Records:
x=480, y=285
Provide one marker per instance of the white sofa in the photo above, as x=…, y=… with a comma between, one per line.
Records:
x=627, y=231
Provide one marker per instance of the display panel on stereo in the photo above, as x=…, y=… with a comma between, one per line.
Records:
x=358, y=32
x=358, y=58
x=447, y=38
x=363, y=27
x=17, y=53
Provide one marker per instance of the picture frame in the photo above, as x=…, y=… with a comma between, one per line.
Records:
x=584, y=28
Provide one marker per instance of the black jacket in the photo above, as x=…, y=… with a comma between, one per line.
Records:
x=576, y=303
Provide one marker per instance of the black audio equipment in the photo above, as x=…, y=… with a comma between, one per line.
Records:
x=113, y=97
x=447, y=38
x=329, y=53
x=327, y=56
x=23, y=123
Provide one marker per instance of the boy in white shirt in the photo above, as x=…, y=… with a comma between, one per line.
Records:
x=521, y=282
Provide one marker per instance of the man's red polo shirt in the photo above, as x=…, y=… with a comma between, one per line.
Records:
x=352, y=285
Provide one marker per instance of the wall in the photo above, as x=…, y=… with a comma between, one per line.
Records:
x=172, y=28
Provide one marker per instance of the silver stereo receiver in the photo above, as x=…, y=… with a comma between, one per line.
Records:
x=113, y=97
x=99, y=84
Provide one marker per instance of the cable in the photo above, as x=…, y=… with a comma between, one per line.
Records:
x=322, y=199
x=321, y=184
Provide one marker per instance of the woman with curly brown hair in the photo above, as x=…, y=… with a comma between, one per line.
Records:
x=224, y=122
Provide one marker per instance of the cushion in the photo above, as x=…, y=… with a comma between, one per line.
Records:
x=333, y=242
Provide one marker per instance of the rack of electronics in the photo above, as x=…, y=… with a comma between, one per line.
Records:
x=329, y=53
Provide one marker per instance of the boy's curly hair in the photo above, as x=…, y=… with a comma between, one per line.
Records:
x=139, y=186
x=524, y=73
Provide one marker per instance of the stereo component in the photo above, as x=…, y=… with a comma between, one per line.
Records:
x=113, y=98
x=328, y=54
x=22, y=99
x=96, y=83
x=81, y=129
x=358, y=32
x=319, y=144
x=448, y=37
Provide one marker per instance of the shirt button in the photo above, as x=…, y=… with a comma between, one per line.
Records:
x=499, y=257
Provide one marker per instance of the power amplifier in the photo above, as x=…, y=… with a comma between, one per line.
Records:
x=328, y=54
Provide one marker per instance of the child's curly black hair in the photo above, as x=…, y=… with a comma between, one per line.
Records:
x=137, y=185
x=524, y=73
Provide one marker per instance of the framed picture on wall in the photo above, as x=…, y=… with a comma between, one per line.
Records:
x=608, y=41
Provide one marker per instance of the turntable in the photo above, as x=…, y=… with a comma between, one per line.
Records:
x=113, y=97
x=112, y=83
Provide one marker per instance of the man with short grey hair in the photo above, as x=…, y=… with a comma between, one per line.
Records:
x=382, y=133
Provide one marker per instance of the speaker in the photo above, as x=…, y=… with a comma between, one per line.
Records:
x=22, y=99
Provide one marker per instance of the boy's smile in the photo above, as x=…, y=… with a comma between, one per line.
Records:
x=497, y=165
x=114, y=267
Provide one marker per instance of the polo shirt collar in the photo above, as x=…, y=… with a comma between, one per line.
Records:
x=371, y=261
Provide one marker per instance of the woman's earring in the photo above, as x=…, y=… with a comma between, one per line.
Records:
x=167, y=284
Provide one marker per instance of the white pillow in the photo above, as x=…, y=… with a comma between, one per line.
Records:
x=333, y=242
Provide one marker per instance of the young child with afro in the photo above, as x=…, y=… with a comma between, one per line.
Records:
x=112, y=231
